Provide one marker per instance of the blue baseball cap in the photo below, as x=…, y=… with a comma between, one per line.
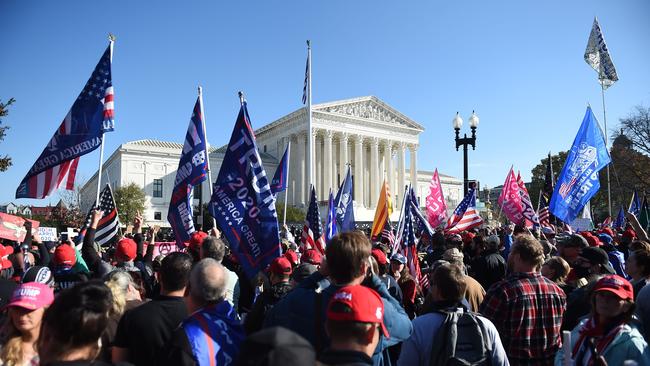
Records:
x=398, y=258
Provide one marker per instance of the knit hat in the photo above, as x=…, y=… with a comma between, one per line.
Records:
x=126, y=249
x=38, y=274
x=64, y=255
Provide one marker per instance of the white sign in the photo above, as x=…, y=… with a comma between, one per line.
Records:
x=48, y=233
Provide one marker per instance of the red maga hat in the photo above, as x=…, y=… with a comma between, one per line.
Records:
x=360, y=304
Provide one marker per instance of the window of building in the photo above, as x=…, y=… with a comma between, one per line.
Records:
x=157, y=215
x=264, y=148
x=157, y=188
x=198, y=191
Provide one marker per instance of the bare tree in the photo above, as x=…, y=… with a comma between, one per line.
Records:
x=636, y=127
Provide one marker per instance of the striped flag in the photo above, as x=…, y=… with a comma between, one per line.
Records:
x=409, y=243
x=312, y=230
x=382, y=213
x=529, y=212
x=80, y=132
x=542, y=212
x=109, y=224
x=465, y=216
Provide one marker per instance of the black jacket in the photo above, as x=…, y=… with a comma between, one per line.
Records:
x=255, y=318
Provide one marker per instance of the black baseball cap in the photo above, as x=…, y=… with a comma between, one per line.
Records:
x=596, y=255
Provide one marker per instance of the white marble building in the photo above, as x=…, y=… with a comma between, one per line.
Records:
x=366, y=133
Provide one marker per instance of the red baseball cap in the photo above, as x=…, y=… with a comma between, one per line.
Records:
x=608, y=231
x=379, y=255
x=593, y=241
x=291, y=256
x=616, y=285
x=65, y=255
x=311, y=256
x=31, y=296
x=126, y=249
x=281, y=266
x=196, y=239
x=357, y=304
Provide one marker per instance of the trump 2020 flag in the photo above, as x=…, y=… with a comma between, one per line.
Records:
x=80, y=132
x=279, y=181
x=578, y=181
x=192, y=170
x=510, y=199
x=330, y=229
x=435, y=203
x=343, y=204
x=242, y=201
x=597, y=56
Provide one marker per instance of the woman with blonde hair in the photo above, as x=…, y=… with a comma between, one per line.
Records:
x=126, y=296
x=23, y=326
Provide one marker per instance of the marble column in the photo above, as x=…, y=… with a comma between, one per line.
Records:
x=301, y=178
x=319, y=165
x=358, y=169
x=414, y=168
x=388, y=159
x=328, y=162
x=343, y=155
x=374, y=172
x=401, y=172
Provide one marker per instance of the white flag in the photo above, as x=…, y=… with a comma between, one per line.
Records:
x=597, y=56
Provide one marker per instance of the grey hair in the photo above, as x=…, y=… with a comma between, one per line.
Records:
x=214, y=248
x=208, y=281
x=121, y=278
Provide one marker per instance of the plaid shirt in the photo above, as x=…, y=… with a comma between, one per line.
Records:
x=527, y=310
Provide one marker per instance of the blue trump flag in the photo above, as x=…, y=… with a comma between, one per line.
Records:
x=331, y=229
x=243, y=203
x=343, y=204
x=578, y=181
x=192, y=170
x=279, y=182
x=635, y=205
x=620, y=219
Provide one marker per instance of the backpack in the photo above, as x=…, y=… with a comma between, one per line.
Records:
x=461, y=340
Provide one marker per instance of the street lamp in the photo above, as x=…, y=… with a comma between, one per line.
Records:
x=457, y=123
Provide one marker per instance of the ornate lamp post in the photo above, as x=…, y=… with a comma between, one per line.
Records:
x=465, y=141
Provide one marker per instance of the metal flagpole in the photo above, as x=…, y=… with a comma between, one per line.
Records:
x=207, y=156
x=111, y=39
x=310, y=149
x=609, y=191
x=286, y=191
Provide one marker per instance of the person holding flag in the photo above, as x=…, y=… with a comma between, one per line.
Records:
x=192, y=171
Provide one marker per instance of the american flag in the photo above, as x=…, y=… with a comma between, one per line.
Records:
x=465, y=216
x=312, y=231
x=109, y=224
x=90, y=116
x=387, y=233
x=305, y=87
x=542, y=211
x=409, y=249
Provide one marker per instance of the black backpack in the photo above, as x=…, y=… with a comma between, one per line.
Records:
x=461, y=340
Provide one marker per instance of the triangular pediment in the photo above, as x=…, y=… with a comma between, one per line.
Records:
x=370, y=108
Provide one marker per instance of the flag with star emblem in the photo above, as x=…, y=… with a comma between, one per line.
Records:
x=312, y=230
x=192, y=170
x=80, y=132
x=108, y=226
x=243, y=202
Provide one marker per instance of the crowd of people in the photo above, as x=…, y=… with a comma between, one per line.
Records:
x=492, y=296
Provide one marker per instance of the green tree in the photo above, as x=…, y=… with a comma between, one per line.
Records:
x=294, y=214
x=129, y=200
x=5, y=162
x=539, y=174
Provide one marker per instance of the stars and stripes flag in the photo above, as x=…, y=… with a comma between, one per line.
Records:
x=312, y=230
x=542, y=211
x=465, y=216
x=305, y=88
x=108, y=226
x=81, y=132
x=409, y=245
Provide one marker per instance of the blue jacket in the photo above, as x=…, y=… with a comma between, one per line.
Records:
x=627, y=345
x=296, y=311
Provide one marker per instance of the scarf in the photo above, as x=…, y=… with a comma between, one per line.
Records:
x=597, y=337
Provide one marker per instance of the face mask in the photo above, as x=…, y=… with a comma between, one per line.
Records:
x=581, y=272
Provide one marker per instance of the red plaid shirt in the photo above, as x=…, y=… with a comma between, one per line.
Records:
x=527, y=310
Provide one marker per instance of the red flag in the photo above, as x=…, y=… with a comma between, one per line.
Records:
x=510, y=199
x=436, y=206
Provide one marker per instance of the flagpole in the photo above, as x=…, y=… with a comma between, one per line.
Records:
x=609, y=191
x=111, y=39
x=310, y=151
x=286, y=191
x=207, y=156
